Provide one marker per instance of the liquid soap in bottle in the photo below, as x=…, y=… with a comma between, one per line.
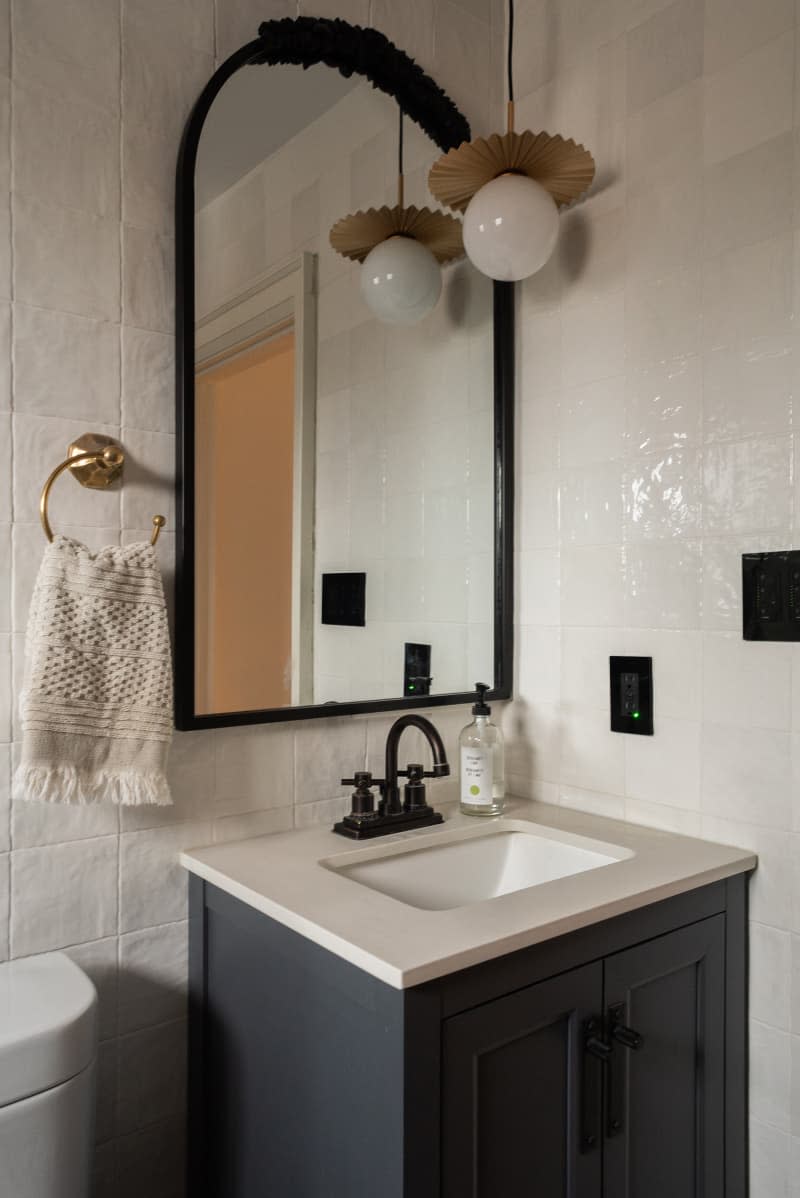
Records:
x=482, y=761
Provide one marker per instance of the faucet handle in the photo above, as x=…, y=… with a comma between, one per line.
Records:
x=363, y=800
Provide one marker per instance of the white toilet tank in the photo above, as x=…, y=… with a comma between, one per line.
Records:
x=48, y=1045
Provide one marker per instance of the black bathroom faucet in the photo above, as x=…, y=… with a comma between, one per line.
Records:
x=394, y=815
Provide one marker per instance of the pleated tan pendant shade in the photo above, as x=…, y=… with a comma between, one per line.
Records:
x=356, y=235
x=564, y=168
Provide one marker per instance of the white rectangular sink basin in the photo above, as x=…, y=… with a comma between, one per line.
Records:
x=440, y=871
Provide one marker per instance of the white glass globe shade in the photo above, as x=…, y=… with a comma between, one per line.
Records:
x=401, y=280
x=510, y=228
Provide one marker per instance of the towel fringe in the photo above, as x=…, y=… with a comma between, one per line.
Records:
x=67, y=784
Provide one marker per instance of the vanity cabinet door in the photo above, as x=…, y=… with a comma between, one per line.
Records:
x=665, y=1102
x=519, y=1096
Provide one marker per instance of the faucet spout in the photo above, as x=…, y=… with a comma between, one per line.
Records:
x=441, y=768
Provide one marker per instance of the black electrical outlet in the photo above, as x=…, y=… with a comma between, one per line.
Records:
x=771, y=596
x=632, y=695
x=417, y=669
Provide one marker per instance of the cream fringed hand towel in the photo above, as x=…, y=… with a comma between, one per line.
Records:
x=97, y=702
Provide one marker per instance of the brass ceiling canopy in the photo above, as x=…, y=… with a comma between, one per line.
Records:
x=356, y=235
x=562, y=167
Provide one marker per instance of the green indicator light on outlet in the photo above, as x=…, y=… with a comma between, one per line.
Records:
x=635, y=715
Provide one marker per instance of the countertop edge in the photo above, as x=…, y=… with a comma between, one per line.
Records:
x=403, y=979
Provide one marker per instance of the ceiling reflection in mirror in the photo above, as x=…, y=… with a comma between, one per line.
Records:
x=344, y=465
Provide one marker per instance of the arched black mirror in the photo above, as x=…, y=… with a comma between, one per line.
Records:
x=345, y=485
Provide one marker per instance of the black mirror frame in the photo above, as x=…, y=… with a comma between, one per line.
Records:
x=350, y=49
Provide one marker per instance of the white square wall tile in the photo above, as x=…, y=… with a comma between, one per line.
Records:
x=153, y=966
x=770, y=975
x=152, y=1075
x=664, y=53
x=63, y=894
x=66, y=259
x=593, y=340
x=770, y=1161
x=153, y=885
x=147, y=279
x=255, y=765
x=538, y=574
x=749, y=100
x=592, y=586
x=592, y=756
x=592, y=422
x=665, y=768
x=66, y=148
x=83, y=355
x=746, y=682
x=748, y=486
x=663, y=584
x=324, y=754
x=748, y=294
x=148, y=380
x=770, y=1075
x=664, y=405
x=733, y=29
x=749, y=196
x=71, y=47
x=747, y=775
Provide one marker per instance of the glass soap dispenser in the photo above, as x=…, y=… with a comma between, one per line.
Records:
x=482, y=761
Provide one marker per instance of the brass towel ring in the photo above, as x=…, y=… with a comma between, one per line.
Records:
x=95, y=461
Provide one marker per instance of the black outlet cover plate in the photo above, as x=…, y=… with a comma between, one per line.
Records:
x=640, y=724
x=771, y=596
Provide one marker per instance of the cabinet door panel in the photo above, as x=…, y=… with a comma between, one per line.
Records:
x=511, y=1094
x=669, y=1094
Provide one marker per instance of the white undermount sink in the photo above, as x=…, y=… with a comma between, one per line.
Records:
x=453, y=868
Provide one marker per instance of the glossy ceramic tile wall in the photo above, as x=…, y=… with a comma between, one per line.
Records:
x=93, y=95
x=658, y=364
x=404, y=443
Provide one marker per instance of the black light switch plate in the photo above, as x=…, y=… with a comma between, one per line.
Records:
x=771, y=596
x=632, y=695
x=344, y=599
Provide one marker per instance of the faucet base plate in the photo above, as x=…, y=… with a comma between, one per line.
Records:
x=384, y=825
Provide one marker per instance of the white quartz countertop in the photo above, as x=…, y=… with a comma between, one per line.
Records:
x=281, y=876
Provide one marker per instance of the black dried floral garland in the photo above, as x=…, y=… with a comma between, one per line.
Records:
x=351, y=50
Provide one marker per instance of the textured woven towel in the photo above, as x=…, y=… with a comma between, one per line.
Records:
x=97, y=702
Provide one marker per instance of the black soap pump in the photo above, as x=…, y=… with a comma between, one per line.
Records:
x=482, y=761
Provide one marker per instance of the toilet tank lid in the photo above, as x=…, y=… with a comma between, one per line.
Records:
x=48, y=1024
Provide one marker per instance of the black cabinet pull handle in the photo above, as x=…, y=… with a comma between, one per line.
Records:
x=626, y=1036
x=616, y=1078
x=595, y=1054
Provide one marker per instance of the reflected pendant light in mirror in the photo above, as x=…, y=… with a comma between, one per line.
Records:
x=510, y=188
x=402, y=250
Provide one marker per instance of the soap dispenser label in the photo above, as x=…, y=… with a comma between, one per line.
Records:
x=476, y=777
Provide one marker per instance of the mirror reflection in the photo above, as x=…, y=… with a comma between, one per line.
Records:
x=344, y=535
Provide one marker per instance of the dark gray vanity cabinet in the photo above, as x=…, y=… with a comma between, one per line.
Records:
x=312, y=1079
x=524, y=1096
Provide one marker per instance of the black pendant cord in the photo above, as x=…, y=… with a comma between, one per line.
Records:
x=400, y=144
x=511, y=51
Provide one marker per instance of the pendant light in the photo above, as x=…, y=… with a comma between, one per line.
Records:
x=509, y=187
x=402, y=250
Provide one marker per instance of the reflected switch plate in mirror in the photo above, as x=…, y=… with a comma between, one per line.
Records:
x=344, y=599
x=771, y=596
